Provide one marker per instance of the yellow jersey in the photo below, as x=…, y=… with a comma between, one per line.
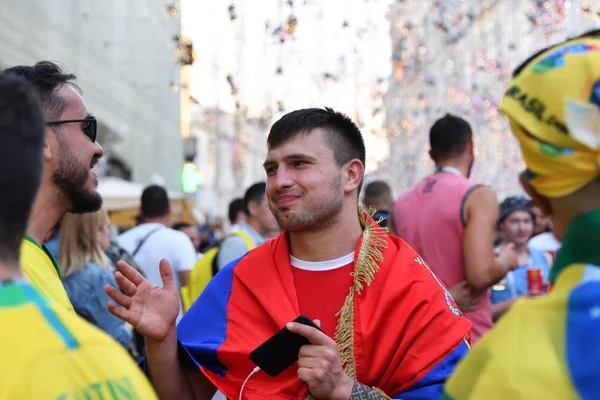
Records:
x=49, y=354
x=544, y=348
x=40, y=267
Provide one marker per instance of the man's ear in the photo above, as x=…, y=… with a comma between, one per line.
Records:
x=432, y=155
x=539, y=200
x=354, y=172
x=470, y=147
x=252, y=207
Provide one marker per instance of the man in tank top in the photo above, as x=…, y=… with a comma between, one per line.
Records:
x=451, y=221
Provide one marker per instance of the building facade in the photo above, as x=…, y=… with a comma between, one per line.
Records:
x=458, y=57
x=230, y=151
x=124, y=55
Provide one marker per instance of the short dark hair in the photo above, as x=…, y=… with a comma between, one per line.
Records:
x=449, y=137
x=181, y=225
x=343, y=136
x=255, y=193
x=235, y=207
x=22, y=138
x=47, y=77
x=155, y=202
x=376, y=192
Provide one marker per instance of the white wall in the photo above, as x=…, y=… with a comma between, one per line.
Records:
x=122, y=53
x=216, y=148
x=466, y=74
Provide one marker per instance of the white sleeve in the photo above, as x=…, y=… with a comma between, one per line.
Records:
x=185, y=254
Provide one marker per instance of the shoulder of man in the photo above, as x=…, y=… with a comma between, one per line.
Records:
x=129, y=238
x=538, y=241
x=71, y=333
x=233, y=240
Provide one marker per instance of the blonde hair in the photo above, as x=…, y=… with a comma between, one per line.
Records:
x=78, y=242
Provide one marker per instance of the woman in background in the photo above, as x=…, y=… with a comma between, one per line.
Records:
x=84, y=239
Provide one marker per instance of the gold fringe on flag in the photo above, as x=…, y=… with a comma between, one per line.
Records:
x=369, y=256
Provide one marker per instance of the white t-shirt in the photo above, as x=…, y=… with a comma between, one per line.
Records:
x=321, y=265
x=166, y=243
x=545, y=242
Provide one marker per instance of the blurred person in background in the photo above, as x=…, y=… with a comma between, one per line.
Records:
x=209, y=235
x=48, y=352
x=256, y=228
x=516, y=222
x=236, y=213
x=69, y=181
x=451, y=221
x=547, y=348
x=218, y=228
x=84, y=239
x=544, y=238
x=192, y=233
x=378, y=195
x=542, y=221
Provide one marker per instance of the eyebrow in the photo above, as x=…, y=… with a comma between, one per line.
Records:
x=88, y=115
x=291, y=157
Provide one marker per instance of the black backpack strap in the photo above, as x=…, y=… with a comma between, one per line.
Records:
x=215, y=264
x=144, y=240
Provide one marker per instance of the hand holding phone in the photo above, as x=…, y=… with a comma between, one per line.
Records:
x=281, y=350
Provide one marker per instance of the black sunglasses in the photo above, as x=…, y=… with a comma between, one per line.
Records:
x=88, y=126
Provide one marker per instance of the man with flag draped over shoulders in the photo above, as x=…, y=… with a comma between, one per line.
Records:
x=390, y=328
x=547, y=348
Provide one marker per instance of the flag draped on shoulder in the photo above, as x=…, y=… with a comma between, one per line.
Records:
x=399, y=329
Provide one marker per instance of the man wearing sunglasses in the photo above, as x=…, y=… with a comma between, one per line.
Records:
x=69, y=180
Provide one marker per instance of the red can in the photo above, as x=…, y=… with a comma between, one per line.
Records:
x=535, y=281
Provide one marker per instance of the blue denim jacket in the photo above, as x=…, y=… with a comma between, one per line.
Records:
x=86, y=292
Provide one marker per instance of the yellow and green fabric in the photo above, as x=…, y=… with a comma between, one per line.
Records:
x=40, y=267
x=50, y=354
x=544, y=348
x=553, y=106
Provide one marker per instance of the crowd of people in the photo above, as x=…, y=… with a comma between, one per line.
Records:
x=398, y=289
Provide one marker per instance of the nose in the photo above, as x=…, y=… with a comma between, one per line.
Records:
x=98, y=150
x=283, y=178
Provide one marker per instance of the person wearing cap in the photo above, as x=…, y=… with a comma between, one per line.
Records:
x=378, y=196
x=516, y=222
x=547, y=348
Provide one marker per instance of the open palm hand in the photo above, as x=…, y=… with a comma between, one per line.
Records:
x=150, y=309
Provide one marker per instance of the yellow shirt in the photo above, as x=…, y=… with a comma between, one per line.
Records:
x=40, y=267
x=49, y=354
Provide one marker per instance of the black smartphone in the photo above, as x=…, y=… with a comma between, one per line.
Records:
x=281, y=350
